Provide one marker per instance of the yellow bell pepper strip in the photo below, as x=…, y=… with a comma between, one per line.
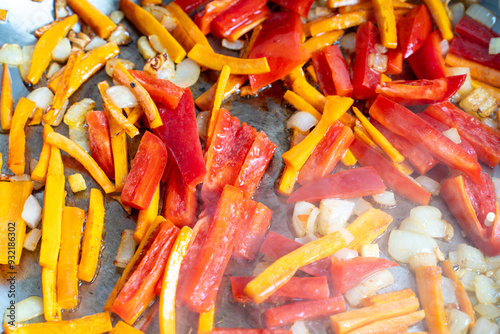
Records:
x=124, y=328
x=219, y=97
x=17, y=136
x=148, y=25
x=280, y=272
x=6, y=102
x=438, y=13
x=368, y=227
x=97, y=323
x=296, y=73
x=98, y=22
x=431, y=295
x=170, y=279
x=147, y=217
x=3, y=14
x=46, y=45
x=312, y=73
x=37, y=117
x=135, y=115
x=92, y=237
x=206, y=321
x=56, y=166
x=340, y=21
x=386, y=21
x=67, y=266
x=120, y=153
x=51, y=310
x=317, y=43
x=478, y=71
x=368, y=5
x=302, y=88
x=348, y=158
x=289, y=177
x=40, y=171
x=122, y=75
x=205, y=101
x=12, y=198
x=300, y=104
x=335, y=107
x=215, y=61
x=82, y=157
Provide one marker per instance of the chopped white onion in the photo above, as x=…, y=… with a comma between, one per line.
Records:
x=491, y=122
x=24, y=67
x=160, y=66
x=32, y=212
x=482, y=15
x=386, y=198
x=11, y=55
x=348, y=42
x=156, y=44
x=445, y=47
x=486, y=289
x=429, y=184
x=458, y=321
x=117, y=16
x=322, y=11
x=202, y=123
x=126, y=249
x=110, y=64
x=369, y=287
x=422, y=260
x=31, y=239
x=301, y=121
x=299, y=327
x=81, y=137
x=494, y=47
x=302, y=221
x=43, y=97
x=120, y=35
x=157, y=11
x=378, y=62
x=426, y=220
x=457, y=11
x=489, y=311
x=122, y=97
x=405, y=244
x=94, y=43
x=297, y=138
x=333, y=215
x=449, y=291
x=345, y=254
x=62, y=50
x=360, y=205
x=53, y=69
x=452, y=134
x=168, y=22
x=467, y=277
x=24, y=310
x=370, y=250
x=485, y=326
x=77, y=114
x=471, y=258
x=452, y=257
x=380, y=48
x=236, y=45
x=466, y=87
x=187, y=73
x=307, y=238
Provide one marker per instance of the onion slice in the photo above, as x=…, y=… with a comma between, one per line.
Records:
x=126, y=249
x=11, y=55
x=369, y=287
x=301, y=121
x=187, y=73
x=43, y=97
x=482, y=15
x=24, y=310
x=31, y=239
x=404, y=244
x=333, y=215
x=32, y=212
x=122, y=97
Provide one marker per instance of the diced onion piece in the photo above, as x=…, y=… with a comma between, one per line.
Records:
x=445, y=47
x=380, y=48
x=157, y=11
x=122, y=97
x=53, y=68
x=120, y=36
x=110, y=64
x=145, y=48
x=494, y=47
x=427, y=220
x=466, y=87
x=202, y=123
x=449, y=291
x=307, y=238
x=24, y=310
x=236, y=45
x=301, y=121
x=370, y=250
x=482, y=15
x=94, y=43
x=369, y=287
x=187, y=73
x=378, y=62
x=348, y=42
x=299, y=327
x=496, y=184
x=486, y=290
x=301, y=221
x=458, y=321
x=43, y=97
x=117, y=16
x=156, y=44
x=126, y=249
x=24, y=67
x=168, y=22
x=489, y=311
x=345, y=254
x=484, y=326
x=11, y=54
x=81, y=137
x=471, y=258
x=422, y=260
x=457, y=11
x=31, y=239
x=467, y=277
x=76, y=115
x=160, y=66
x=490, y=218
x=62, y=50
x=453, y=135
x=333, y=215
x=404, y=244
x=386, y=198
x=322, y=11
x=429, y=184
x=32, y=212
x=452, y=257
x=360, y=205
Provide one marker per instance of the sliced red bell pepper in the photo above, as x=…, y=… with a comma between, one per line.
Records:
x=331, y=71
x=162, y=91
x=474, y=31
x=100, y=141
x=413, y=30
x=428, y=62
x=295, y=288
x=252, y=232
x=204, y=18
x=288, y=314
x=139, y=290
x=280, y=41
x=189, y=5
x=484, y=139
x=323, y=73
x=300, y=7
x=346, y=274
x=180, y=133
x=475, y=52
x=326, y=154
x=145, y=173
x=364, y=78
x=470, y=204
x=248, y=23
x=249, y=331
x=416, y=92
x=394, y=61
x=405, y=123
x=351, y=183
x=180, y=202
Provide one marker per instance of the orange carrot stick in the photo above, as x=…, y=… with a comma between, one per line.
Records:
x=388, y=297
x=464, y=302
x=6, y=102
x=394, y=325
x=17, y=136
x=120, y=154
x=40, y=171
x=98, y=22
x=51, y=310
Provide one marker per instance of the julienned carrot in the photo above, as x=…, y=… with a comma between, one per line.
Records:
x=82, y=157
x=438, y=12
x=124, y=328
x=6, y=102
x=40, y=171
x=51, y=309
x=394, y=325
x=384, y=13
x=206, y=100
x=120, y=153
x=37, y=117
x=98, y=22
x=464, y=302
x=218, y=98
x=206, y=321
x=340, y=21
x=300, y=104
x=387, y=297
x=478, y=71
x=147, y=217
x=303, y=89
x=317, y=43
x=368, y=227
x=17, y=136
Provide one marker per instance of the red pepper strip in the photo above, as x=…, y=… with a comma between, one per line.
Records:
x=351, y=183
x=145, y=173
x=463, y=199
x=392, y=176
x=364, y=78
x=206, y=274
x=189, y=5
x=280, y=41
x=420, y=159
x=247, y=24
x=139, y=290
x=416, y=92
x=180, y=202
x=394, y=61
x=248, y=331
x=405, y=123
x=413, y=30
x=180, y=133
x=100, y=141
x=433, y=67
x=323, y=73
x=204, y=18
x=326, y=154
x=300, y=7
x=252, y=233
x=295, y=288
x=260, y=154
x=288, y=314
x=346, y=274
x=162, y=91
x=275, y=246
x=474, y=31
x=475, y=52
x=341, y=77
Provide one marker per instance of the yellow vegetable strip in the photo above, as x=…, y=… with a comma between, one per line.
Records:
x=98, y=22
x=289, y=176
x=51, y=310
x=120, y=153
x=205, y=101
x=296, y=73
x=302, y=88
x=147, y=217
x=219, y=97
x=40, y=170
x=135, y=115
x=438, y=13
x=384, y=13
x=6, y=102
x=317, y=43
x=342, y=3
x=251, y=41
x=206, y=321
x=17, y=136
x=56, y=166
x=312, y=73
x=124, y=328
x=37, y=117
x=340, y=21
x=300, y=104
x=368, y=227
x=3, y=14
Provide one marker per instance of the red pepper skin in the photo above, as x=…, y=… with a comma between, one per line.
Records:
x=295, y=288
x=252, y=233
x=162, y=91
x=351, y=183
x=300, y=7
x=416, y=92
x=413, y=30
x=394, y=61
x=100, y=141
x=475, y=52
x=475, y=32
x=463, y=198
x=433, y=67
x=228, y=20
x=326, y=154
x=204, y=18
x=180, y=201
x=139, y=290
x=405, y=123
x=364, y=78
x=323, y=73
x=331, y=70
x=484, y=139
x=189, y=5
x=288, y=314
x=346, y=274
x=280, y=41
x=146, y=172
x=180, y=133
x=259, y=15
x=248, y=331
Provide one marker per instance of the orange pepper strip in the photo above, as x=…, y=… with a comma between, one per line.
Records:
x=312, y=73
x=124, y=328
x=219, y=97
x=297, y=73
x=463, y=299
x=67, y=266
x=206, y=321
x=3, y=14
x=120, y=153
x=148, y=25
x=478, y=71
x=289, y=176
x=431, y=295
x=251, y=41
x=17, y=136
x=300, y=104
x=170, y=280
x=122, y=75
x=341, y=3
x=92, y=237
x=46, y=45
x=115, y=112
x=56, y=166
x=97, y=323
x=205, y=101
x=82, y=157
x=387, y=297
x=135, y=115
x=348, y=158
x=40, y=171
x=438, y=13
x=368, y=227
x=37, y=117
x=384, y=13
x=302, y=88
x=147, y=217
x=150, y=2
x=215, y=61
x=51, y=310
x=317, y=43
x=391, y=325
x=98, y=22
x=6, y=102
x=340, y=21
